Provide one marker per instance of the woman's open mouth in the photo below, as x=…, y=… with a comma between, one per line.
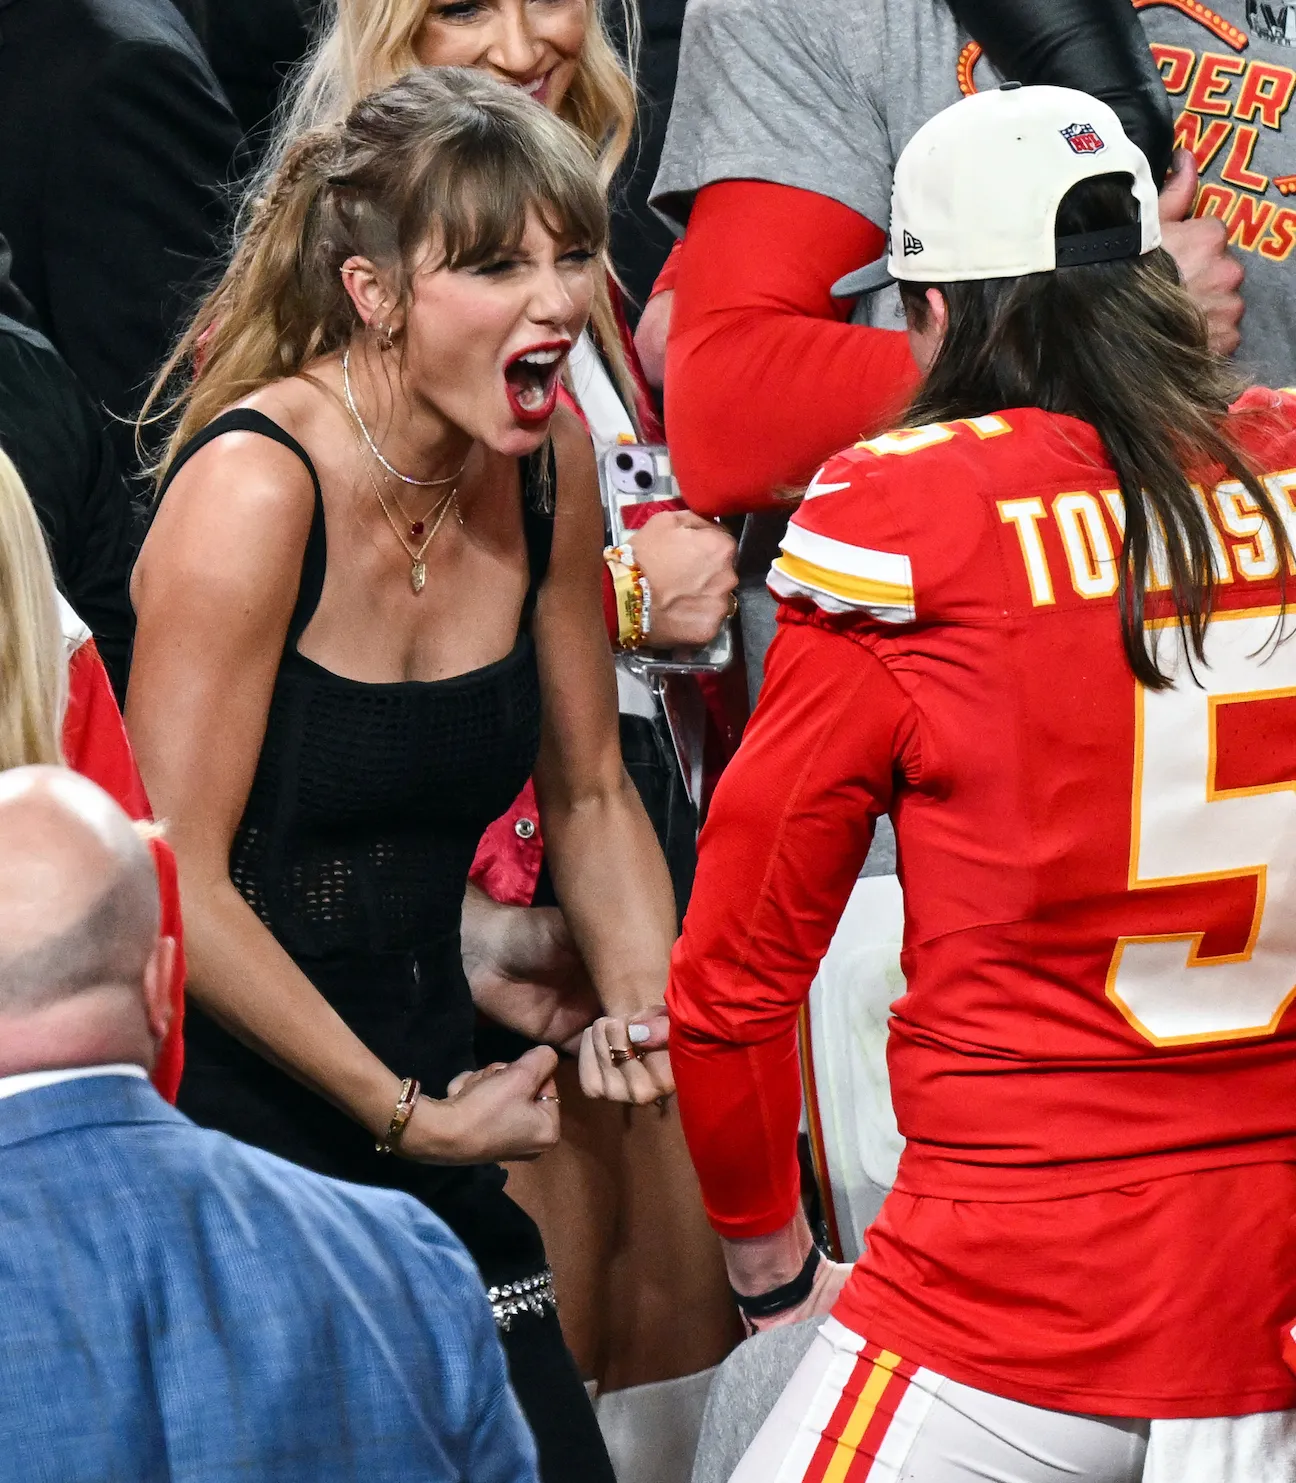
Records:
x=531, y=380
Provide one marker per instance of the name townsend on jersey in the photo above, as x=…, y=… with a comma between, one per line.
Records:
x=1087, y=527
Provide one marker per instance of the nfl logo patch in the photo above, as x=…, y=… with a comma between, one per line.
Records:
x=1083, y=138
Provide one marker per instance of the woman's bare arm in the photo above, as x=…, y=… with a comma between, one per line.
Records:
x=608, y=869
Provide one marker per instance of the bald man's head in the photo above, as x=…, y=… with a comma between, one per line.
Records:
x=78, y=892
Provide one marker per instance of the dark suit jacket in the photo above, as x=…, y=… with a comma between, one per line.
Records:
x=117, y=141
x=178, y=1306
x=55, y=436
x=253, y=46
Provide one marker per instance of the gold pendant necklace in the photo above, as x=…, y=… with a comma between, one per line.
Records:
x=418, y=567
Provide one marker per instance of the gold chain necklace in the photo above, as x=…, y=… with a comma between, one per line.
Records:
x=418, y=567
x=376, y=451
x=417, y=525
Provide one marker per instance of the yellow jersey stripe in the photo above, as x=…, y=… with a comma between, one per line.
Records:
x=861, y=591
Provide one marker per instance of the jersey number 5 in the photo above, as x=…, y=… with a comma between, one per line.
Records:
x=1214, y=803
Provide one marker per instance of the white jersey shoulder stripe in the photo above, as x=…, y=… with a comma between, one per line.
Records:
x=842, y=578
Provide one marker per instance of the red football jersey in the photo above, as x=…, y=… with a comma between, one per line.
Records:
x=1099, y=880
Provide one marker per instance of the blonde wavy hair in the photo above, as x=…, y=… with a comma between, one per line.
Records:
x=445, y=147
x=367, y=44
x=33, y=663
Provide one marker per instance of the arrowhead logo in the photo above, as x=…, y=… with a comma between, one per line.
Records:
x=911, y=244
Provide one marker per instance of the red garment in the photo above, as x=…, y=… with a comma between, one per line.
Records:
x=764, y=379
x=95, y=745
x=507, y=863
x=1066, y=840
x=1194, y=1276
x=669, y=276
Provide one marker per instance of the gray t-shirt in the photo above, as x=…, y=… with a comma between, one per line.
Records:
x=824, y=94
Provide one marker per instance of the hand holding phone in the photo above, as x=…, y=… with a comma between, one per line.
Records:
x=687, y=562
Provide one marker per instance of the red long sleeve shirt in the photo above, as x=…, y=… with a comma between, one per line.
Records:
x=1096, y=1043
x=764, y=377
x=788, y=831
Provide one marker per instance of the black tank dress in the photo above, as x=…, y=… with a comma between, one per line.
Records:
x=361, y=825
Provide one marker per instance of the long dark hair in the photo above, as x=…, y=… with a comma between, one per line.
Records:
x=1121, y=346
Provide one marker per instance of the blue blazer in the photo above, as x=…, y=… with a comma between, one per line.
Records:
x=176, y=1307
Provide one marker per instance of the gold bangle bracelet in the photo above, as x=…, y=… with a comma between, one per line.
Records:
x=409, y=1094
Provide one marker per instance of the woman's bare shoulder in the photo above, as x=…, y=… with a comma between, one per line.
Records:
x=245, y=482
x=236, y=517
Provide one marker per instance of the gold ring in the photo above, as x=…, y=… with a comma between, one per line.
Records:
x=620, y=1057
x=732, y=610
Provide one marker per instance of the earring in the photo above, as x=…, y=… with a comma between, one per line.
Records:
x=385, y=337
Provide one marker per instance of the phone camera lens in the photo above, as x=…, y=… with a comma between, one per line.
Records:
x=644, y=479
x=624, y=461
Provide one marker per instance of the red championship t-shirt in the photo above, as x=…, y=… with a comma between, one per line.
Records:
x=1094, y=1064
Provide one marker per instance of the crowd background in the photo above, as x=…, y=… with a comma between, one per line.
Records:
x=149, y=120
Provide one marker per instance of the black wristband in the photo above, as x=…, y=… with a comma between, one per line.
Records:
x=780, y=1299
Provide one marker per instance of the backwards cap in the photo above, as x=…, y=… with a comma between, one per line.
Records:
x=977, y=190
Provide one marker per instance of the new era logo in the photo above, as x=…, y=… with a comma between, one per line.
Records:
x=1083, y=138
x=911, y=244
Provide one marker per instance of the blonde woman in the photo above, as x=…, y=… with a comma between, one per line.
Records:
x=56, y=705
x=559, y=53
x=594, y=1194
x=33, y=659
x=367, y=610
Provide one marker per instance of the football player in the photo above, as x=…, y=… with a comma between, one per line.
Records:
x=1043, y=627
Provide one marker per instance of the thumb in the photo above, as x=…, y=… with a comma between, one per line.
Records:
x=1180, y=189
x=536, y=1067
x=650, y=1030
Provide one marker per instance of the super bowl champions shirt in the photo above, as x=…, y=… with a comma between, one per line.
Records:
x=824, y=94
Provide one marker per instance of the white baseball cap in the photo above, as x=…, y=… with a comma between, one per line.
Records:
x=977, y=190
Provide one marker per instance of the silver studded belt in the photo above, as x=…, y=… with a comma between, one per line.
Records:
x=531, y=1295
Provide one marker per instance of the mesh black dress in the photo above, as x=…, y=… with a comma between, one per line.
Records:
x=354, y=849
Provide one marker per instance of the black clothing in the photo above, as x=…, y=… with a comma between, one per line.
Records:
x=12, y=302
x=118, y=141
x=361, y=824
x=253, y=46
x=649, y=757
x=641, y=240
x=55, y=436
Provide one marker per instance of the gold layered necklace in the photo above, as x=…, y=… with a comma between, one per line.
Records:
x=436, y=512
x=418, y=567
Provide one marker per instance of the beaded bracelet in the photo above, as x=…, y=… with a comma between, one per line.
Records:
x=633, y=596
x=407, y=1101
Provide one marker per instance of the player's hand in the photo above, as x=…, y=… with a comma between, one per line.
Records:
x=625, y=1060
x=525, y=972
x=1199, y=245
x=689, y=566
x=505, y=1111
